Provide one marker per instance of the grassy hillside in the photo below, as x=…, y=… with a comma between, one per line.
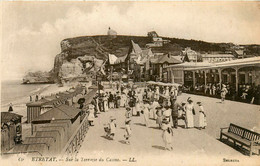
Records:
x=101, y=46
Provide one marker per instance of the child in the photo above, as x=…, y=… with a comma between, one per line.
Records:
x=167, y=134
x=223, y=93
x=128, y=113
x=91, y=115
x=202, y=117
x=128, y=131
x=159, y=115
x=111, y=128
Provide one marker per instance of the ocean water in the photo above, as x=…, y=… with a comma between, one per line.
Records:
x=16, y=93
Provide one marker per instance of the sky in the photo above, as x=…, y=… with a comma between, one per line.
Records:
x=32, y=31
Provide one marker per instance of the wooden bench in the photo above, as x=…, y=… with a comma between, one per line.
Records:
x=242, y=136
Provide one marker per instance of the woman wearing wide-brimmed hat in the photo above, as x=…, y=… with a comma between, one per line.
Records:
x=189, y=109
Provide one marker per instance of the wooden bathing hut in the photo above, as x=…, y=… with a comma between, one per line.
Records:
x=11, y=130
x=59, y=113
x=53, y=134
x=49, y=141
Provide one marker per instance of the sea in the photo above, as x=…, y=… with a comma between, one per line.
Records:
x=17, y=93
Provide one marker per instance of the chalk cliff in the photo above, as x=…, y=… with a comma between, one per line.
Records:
x=78, y=55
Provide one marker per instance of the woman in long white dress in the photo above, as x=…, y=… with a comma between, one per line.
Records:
x=202, y=117
x=146, y=113
x=105, y=103
x=189, y=114
x=153, y=109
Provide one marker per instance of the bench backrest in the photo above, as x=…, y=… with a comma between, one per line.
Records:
x=236, y=130
x=244, y=133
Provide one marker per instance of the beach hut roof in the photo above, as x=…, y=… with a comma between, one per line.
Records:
x=45, y=140
x=8, y=116
x=61, y=112
x=23, y=148
x=89, y=97
x=53, y=134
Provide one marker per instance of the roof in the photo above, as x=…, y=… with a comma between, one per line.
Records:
x=54, y=128
x=38, y=147
x=190, y=65
x=239, y=52
x=53, y=134
x=164, y=59
x=136, y=48
x=157, y=39
x=62, y=112
x=112, y=58
x=89, y=96
x=217, y=56
x=120, y=59
x=8, y=116
x=32, y=140
x=254, y=61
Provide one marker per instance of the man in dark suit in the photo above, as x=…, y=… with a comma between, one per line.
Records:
x=175, y=107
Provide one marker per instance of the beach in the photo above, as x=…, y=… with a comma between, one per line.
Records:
x=19, y=94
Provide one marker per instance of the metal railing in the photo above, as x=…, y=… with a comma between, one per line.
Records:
x=74, y=143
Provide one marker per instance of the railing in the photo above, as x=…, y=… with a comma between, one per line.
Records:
x=74, y=143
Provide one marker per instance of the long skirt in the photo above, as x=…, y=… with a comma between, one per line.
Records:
x=91, y=117
x=189, y=119
x=167, y=137
x=154, y=113
x=151, y=114
x=105, y=106
x=146, y=119
x=111, y=104
x=159, y=120
x=122, y=101
x=202, y=120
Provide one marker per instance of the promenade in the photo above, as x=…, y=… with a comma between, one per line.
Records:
x=189, y=145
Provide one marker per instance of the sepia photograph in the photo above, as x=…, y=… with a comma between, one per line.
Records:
x=130, y=83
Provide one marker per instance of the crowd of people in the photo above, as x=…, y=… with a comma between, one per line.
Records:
x=248, y=93
x=152, y=103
